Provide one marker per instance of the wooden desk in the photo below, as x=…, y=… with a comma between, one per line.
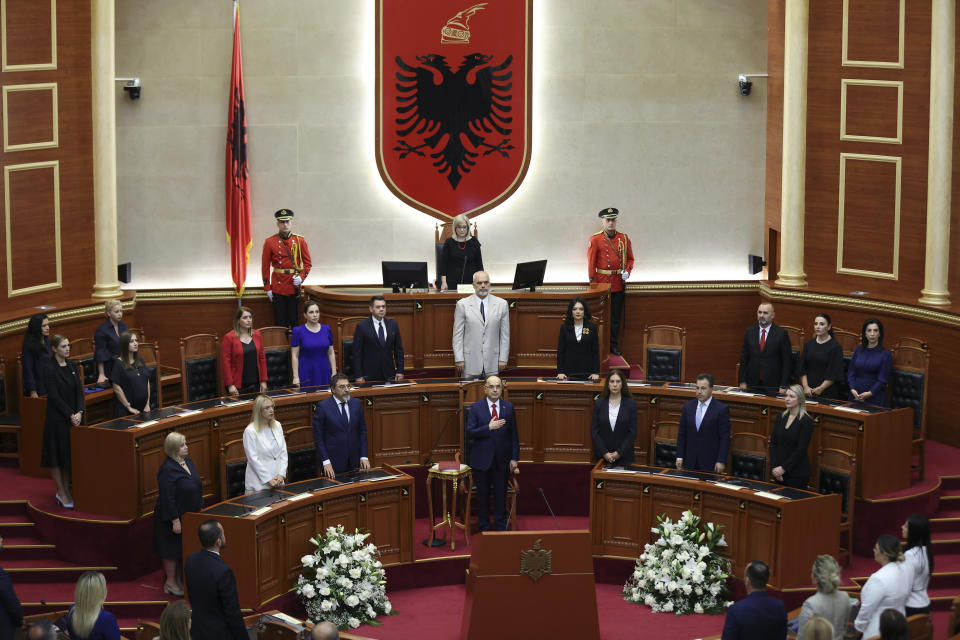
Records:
x=786, y=534
x=280, y=535
x=425, y=320
x=408, y=423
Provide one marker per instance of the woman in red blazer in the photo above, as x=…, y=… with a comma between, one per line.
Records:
x=244, y=363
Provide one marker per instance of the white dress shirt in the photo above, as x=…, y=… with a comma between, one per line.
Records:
x=917, y=558
x=887, y=588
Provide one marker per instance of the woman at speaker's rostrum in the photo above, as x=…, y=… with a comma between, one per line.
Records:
x=130, y=379
x=65, y=405
x=180, y=489
x=789, y=462
x=460, y=257
x=821, y=363
x=578, y=347
x=35, y=354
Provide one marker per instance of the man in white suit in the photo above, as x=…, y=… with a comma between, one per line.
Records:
x=481, y=331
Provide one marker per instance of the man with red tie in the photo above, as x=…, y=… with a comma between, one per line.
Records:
x=492, y=428
x=610, y=259
x=766, y=359
x=289, y=256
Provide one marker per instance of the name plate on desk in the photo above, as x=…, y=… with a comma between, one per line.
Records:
x=851, y=409
x=767, y=494
x=299, y=496
x=148, y=423
x=188, y=413
x=728, y=486
x=259, y=512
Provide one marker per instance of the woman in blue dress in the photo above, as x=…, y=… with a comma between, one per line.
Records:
x=870, y=366
x=311, y=348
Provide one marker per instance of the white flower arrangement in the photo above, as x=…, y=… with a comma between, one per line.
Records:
x=681, y=572
x=343, y=581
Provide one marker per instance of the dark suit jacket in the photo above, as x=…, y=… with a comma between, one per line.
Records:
x=771, y=367
x=578, y=359
x=11, y=615
x=106, y=344
x=374, y=361
x=212, y=590
x=701, y=451
x=758, y=616
x=621, y=437
x=788, y=447
x=502, y=444
x=342, y=444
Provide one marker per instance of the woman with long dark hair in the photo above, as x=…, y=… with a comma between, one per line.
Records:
x=34, y=355
x=820, y=368
x=244, y=361
x=613, y=427
x=919, y=555
x=130, y=379
x=65, y=405
x=870, y=366
x=578, y=347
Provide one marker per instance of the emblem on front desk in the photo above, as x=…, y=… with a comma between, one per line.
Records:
x=536, y=562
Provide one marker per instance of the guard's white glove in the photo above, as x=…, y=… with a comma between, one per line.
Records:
x=297, y=280
x=270, y=296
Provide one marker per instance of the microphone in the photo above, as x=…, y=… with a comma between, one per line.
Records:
x=547, y=502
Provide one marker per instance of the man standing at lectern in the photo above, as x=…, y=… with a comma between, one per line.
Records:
x=492, y=426
x=703, y=439
x=289, y=256
x=610, y=259
x=481, y=331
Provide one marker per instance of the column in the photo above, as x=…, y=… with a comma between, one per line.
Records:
x=102, y=35
x=940, y=153
x=793, y=178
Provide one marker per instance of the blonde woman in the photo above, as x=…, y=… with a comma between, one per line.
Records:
x=87, y=620
x=265, y=447
x=887, y=588
x=828, y=603
x=791, y=435
x=180, y=489
x=460, y=257
x=817, y=628
x=106, y=339
x=175, y=621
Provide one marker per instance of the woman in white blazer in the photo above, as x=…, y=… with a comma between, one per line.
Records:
x=265, y=447
x=887, y=588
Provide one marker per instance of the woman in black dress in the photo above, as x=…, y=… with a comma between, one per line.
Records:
x=35, y=354
x=64, y=410
x=578, y=348
x=821, y=363
x=180, y=490
x=613, y=427
x=106, y=339
x=460, y=257
x=131, y=381
x=792, y=431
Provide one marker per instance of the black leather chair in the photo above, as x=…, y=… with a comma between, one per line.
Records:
x=149, y=352
x=276, y=350
x=908, y=388
x=346, y=353
x=663, y=349
x=797, y=337
x=663, y=443
x=199, y=362
x=748, y=456
x=3, y=387
x=301, y=454
x=82, y=352
x=838, y=474
x=849, y=341
x=233, y=469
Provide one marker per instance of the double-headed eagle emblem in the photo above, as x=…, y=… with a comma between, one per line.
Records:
x=536, y=563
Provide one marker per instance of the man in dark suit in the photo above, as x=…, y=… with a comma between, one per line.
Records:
x=766, y=358
x=11, y=615
x=213, y=589
x=704, y=437
x=377, y=347
x=759, y=615
x=492, y=426
x=340, y=430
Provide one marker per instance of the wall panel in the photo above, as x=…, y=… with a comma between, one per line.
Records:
x=32, y=226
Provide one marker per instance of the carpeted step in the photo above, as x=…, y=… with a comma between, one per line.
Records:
x=946, y=563
x=945, y=525
x=35, y=552
x=950, y=482
x=12, y=525
x=48, y=570
x=130, y=611
x=941, y=599
x=948, y=502
x=14, y=508
x=945, y=580
x=947, y=513
x=941, y=547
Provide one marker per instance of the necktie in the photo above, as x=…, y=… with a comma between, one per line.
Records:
x=763, y=338
x=343, y=412
x=383, y=339
x=700, y=408
x=493, y=407
x=482, y=314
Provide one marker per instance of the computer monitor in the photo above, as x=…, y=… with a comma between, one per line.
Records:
x=529, y=275
x=404, y=275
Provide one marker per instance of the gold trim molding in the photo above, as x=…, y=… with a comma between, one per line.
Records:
x=55, y=117
x=892, y=84
x=33, y=166
x=862, y=157
x=76, y=313
x=37, y=66
x=881, y=64
x=178, y=295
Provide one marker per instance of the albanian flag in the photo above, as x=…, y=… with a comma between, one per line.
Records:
x=237, y=169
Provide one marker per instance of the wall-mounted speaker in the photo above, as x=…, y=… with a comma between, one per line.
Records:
x=124, y=272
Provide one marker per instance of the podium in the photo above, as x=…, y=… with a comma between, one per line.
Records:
x=33, y=414
x=530, y=584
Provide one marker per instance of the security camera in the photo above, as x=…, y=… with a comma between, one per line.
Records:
x=745, y=85
x=132, y=87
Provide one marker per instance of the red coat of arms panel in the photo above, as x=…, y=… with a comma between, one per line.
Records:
x=453, y=101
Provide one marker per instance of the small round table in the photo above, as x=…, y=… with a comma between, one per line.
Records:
x=452, y=477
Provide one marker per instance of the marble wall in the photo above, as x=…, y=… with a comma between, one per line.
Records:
x=635, y=105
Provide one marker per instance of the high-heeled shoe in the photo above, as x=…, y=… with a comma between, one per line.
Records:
x=173, y=591
x=65, y=505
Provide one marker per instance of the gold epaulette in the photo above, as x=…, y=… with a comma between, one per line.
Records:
x=597, y=233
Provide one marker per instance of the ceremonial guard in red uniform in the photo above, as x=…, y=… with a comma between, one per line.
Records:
x=289, y=256
x=610, y=259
